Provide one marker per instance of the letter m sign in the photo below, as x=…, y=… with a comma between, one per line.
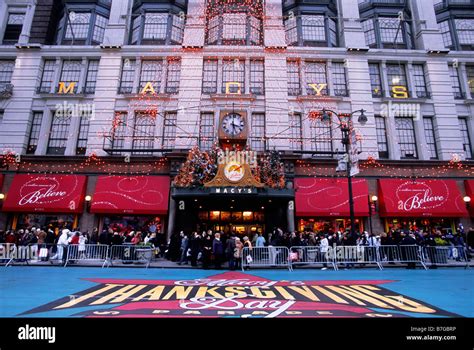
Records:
x=66, y=90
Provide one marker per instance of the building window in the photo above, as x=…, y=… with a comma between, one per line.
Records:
x=397, y=80
x=152, y=72
x=420, y=81
x=466, y=138
x=127, y=77
x=13, y=28
x=388, y=32
x=209, y=79
x=257, y=138
x=296, y=132
x=316, y=76
x=84, y=27
x=206, y=131
x=257, y=77
x=155, y=26
x=339, y=79
x=321, y=138
x=2, y=112
x=91, y=79
x=169, y=130
x=470, y=79
x=457, y=33
x=47, y=78
x=233, y=76
x=291, y=31
x=34, y=132
x=446, y=34
x=173, y=76
x=316, y=30
x=382, y=142
x=375, y=80
x=234, y=22
x=294, y=79
x=143, y=131
x=59, y=134
x=430, y=137
x=81, y=146
x=6, y=73
x=465, y=32
x=455, y=82
x=70, y=74
x=406, y=138
x=119, y=124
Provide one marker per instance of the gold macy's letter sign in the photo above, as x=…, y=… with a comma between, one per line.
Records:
x=69, y=90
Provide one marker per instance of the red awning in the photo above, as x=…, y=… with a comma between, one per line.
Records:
x=330, y=197
x=1, y=181
x=469, y=184
x=420, y=198
x=141, y=195
x=46, y=193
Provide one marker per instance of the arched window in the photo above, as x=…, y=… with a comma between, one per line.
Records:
x=235, y=23
x=83, y=24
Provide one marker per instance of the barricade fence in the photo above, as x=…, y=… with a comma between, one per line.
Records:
x=130, y=254
x=87, y=252
x=263, y=257
x=403, y=254
x=312, y=255
x=266, y=257
x=445, y=255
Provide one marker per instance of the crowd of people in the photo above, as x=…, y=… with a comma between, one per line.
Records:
x=214, y=249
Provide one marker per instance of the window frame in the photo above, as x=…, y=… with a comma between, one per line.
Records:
x=430, y=137
x=403, y=134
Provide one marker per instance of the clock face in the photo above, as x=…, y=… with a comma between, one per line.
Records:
x=233, y=124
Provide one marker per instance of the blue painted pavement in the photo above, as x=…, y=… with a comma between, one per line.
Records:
x=46, y=291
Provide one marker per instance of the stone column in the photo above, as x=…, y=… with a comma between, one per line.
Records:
x=171, y=218
x=290, y=215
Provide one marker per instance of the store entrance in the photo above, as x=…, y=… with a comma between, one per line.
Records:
x=244, y=216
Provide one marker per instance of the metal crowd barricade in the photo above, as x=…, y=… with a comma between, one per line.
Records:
x=311, y=255
x=266, y=257
x=78, y=253
x=8, y=252
x=403, y=254
x=445, y=256
x=351, y=255
x=130, y=254
x=47, y=254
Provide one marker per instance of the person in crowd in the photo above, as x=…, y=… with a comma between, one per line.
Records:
x=230, y=250
x=104, y=238
x=218, y=251
x=260, y=241
x=82, y=245
x=116, y=239
x=408, y=252
x=74, y=238
x=184, y=248
x=207, y=251
x=62, y=244
x=238, y=253
x=195, y=246
x=137, y=238
x=323, y=251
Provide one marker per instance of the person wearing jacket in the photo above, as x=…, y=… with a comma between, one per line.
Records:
x=323, y=249
x=218, y=251
x=184, y=249
x=62, y=244
x=230, y=251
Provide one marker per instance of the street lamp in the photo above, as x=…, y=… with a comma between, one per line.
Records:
x=467, y=200
x=372, y=209
x=346, y=124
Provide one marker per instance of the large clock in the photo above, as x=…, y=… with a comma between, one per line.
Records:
x=233, y=127
x=233, y=124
